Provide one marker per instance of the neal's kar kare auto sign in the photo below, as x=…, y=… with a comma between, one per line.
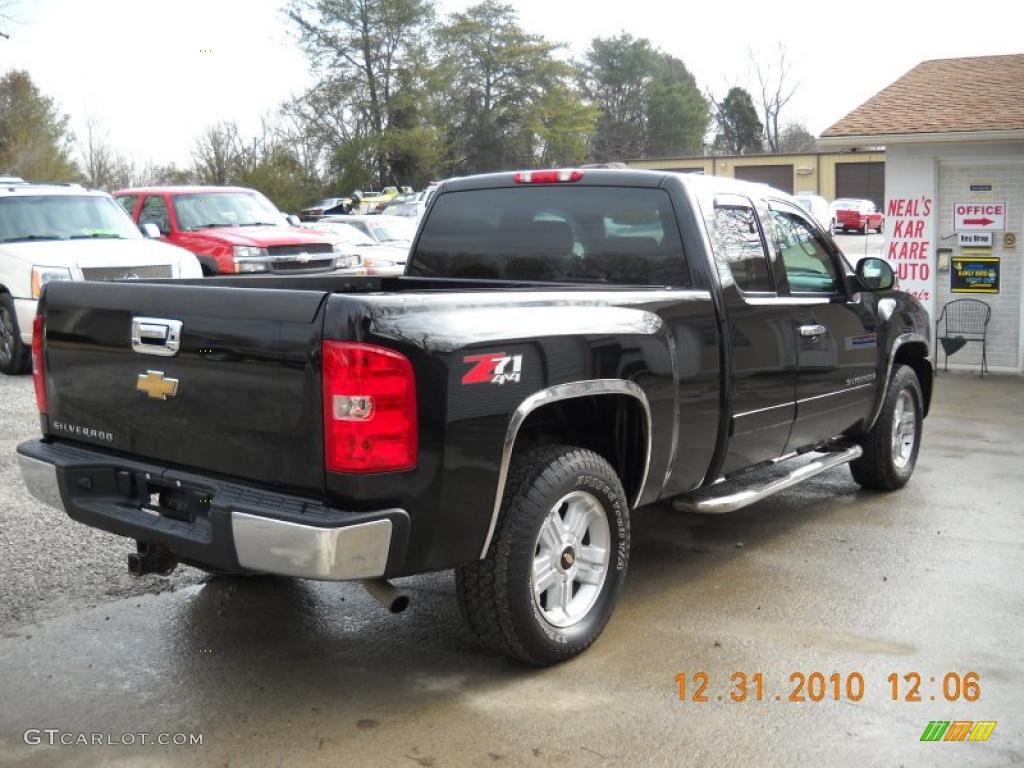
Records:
x=909, y=249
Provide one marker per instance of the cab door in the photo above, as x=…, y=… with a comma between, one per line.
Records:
x=834, y=333
x=760, y=334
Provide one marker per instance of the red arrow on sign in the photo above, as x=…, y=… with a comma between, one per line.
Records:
x=982, y=222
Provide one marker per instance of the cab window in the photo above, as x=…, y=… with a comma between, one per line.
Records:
x=738, y=239
x=155, y=210
x=808, y=265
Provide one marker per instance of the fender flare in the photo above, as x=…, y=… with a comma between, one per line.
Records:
x=553, y=394
x=899, y=341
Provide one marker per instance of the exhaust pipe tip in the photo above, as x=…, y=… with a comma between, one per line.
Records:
x=393, y=599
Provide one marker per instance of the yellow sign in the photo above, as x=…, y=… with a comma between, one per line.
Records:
x=156, y=386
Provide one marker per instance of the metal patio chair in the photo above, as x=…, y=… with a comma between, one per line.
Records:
x=962, y=321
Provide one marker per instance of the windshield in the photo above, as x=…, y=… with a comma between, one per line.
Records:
x=25, y=218
x=225, y=209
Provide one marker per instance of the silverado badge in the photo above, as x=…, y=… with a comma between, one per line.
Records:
x=156, y=386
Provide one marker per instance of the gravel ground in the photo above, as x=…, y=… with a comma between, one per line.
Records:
x=38, y=579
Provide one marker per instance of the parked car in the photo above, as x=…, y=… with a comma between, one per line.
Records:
x=64, y=232
x=230, y=229
x=387, y=230
x=857, y=216
x=502, y=408
x=818, y=207
x=412, y=209
x=319, y=209
x=374, y=202
x=368, y=257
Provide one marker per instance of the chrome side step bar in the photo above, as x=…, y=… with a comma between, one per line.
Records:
x=706, y=501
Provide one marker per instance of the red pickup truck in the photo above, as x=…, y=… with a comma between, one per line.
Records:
x=230, y=230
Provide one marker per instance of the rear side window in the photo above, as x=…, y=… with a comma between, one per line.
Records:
x=738, y=239
x=618, y=235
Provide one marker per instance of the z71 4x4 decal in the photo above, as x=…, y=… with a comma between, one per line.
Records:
x=493, y=368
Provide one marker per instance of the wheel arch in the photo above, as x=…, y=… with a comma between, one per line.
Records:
x=910, y=349
x=609, y=416
x=915, y=354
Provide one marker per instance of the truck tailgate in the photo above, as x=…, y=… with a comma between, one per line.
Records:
x=240, y=396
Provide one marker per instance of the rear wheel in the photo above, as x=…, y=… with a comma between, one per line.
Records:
x=15, y=355
x=556, y=565
x=892, y=445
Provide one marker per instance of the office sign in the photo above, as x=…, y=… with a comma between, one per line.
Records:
x=983, y=216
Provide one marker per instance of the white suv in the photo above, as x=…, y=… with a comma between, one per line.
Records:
x=52, y=232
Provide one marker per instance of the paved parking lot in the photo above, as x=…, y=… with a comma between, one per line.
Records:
x=858, y=246
x=824, y=578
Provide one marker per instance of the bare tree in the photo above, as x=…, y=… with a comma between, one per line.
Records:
x=102, y=167
x=217, y=153
x=773, y=78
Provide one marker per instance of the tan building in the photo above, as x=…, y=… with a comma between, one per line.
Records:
x=858, y=174
x=953, y=130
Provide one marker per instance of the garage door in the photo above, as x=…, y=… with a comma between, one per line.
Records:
x=865, y=181
x=778, y=176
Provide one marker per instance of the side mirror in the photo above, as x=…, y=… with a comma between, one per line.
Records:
x=294, y=220
x=875, y=274
x=149, y=230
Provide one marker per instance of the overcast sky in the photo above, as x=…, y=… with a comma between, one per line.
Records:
x=156, y=73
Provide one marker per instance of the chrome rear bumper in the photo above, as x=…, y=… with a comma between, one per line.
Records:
x=342, y=551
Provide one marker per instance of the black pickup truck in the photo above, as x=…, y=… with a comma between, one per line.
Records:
x=564, y=348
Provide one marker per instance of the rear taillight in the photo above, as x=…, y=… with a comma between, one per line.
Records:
x=369, y=408
x=547, y=177
x=38, y=364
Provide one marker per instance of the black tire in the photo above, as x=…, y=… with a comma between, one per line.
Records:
x=15, y=355
x=496, y=594
x=879, y=468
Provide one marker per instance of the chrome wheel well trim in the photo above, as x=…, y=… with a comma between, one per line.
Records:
x=554, y=394
x=899, y=341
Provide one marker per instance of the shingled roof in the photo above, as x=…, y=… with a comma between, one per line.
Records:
x=984, y=93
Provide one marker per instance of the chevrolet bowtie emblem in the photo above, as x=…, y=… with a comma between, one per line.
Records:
x=156, y=386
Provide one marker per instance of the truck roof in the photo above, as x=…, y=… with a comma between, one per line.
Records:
x=624, y=177
x=29, y=188
x=181, y=189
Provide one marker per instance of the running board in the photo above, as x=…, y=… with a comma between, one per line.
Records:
x=717, y=499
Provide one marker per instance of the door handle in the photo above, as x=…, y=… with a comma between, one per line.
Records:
x=156, y=336
x=812, y=330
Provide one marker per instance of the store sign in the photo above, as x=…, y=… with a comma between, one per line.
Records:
x=984, y=216
x=909, y=248
x=975, y=239
x=974, y=274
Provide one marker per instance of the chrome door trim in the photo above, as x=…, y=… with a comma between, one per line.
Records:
x=742, y=414
x=553, y=394
x=156, y=336
x=845, y=391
